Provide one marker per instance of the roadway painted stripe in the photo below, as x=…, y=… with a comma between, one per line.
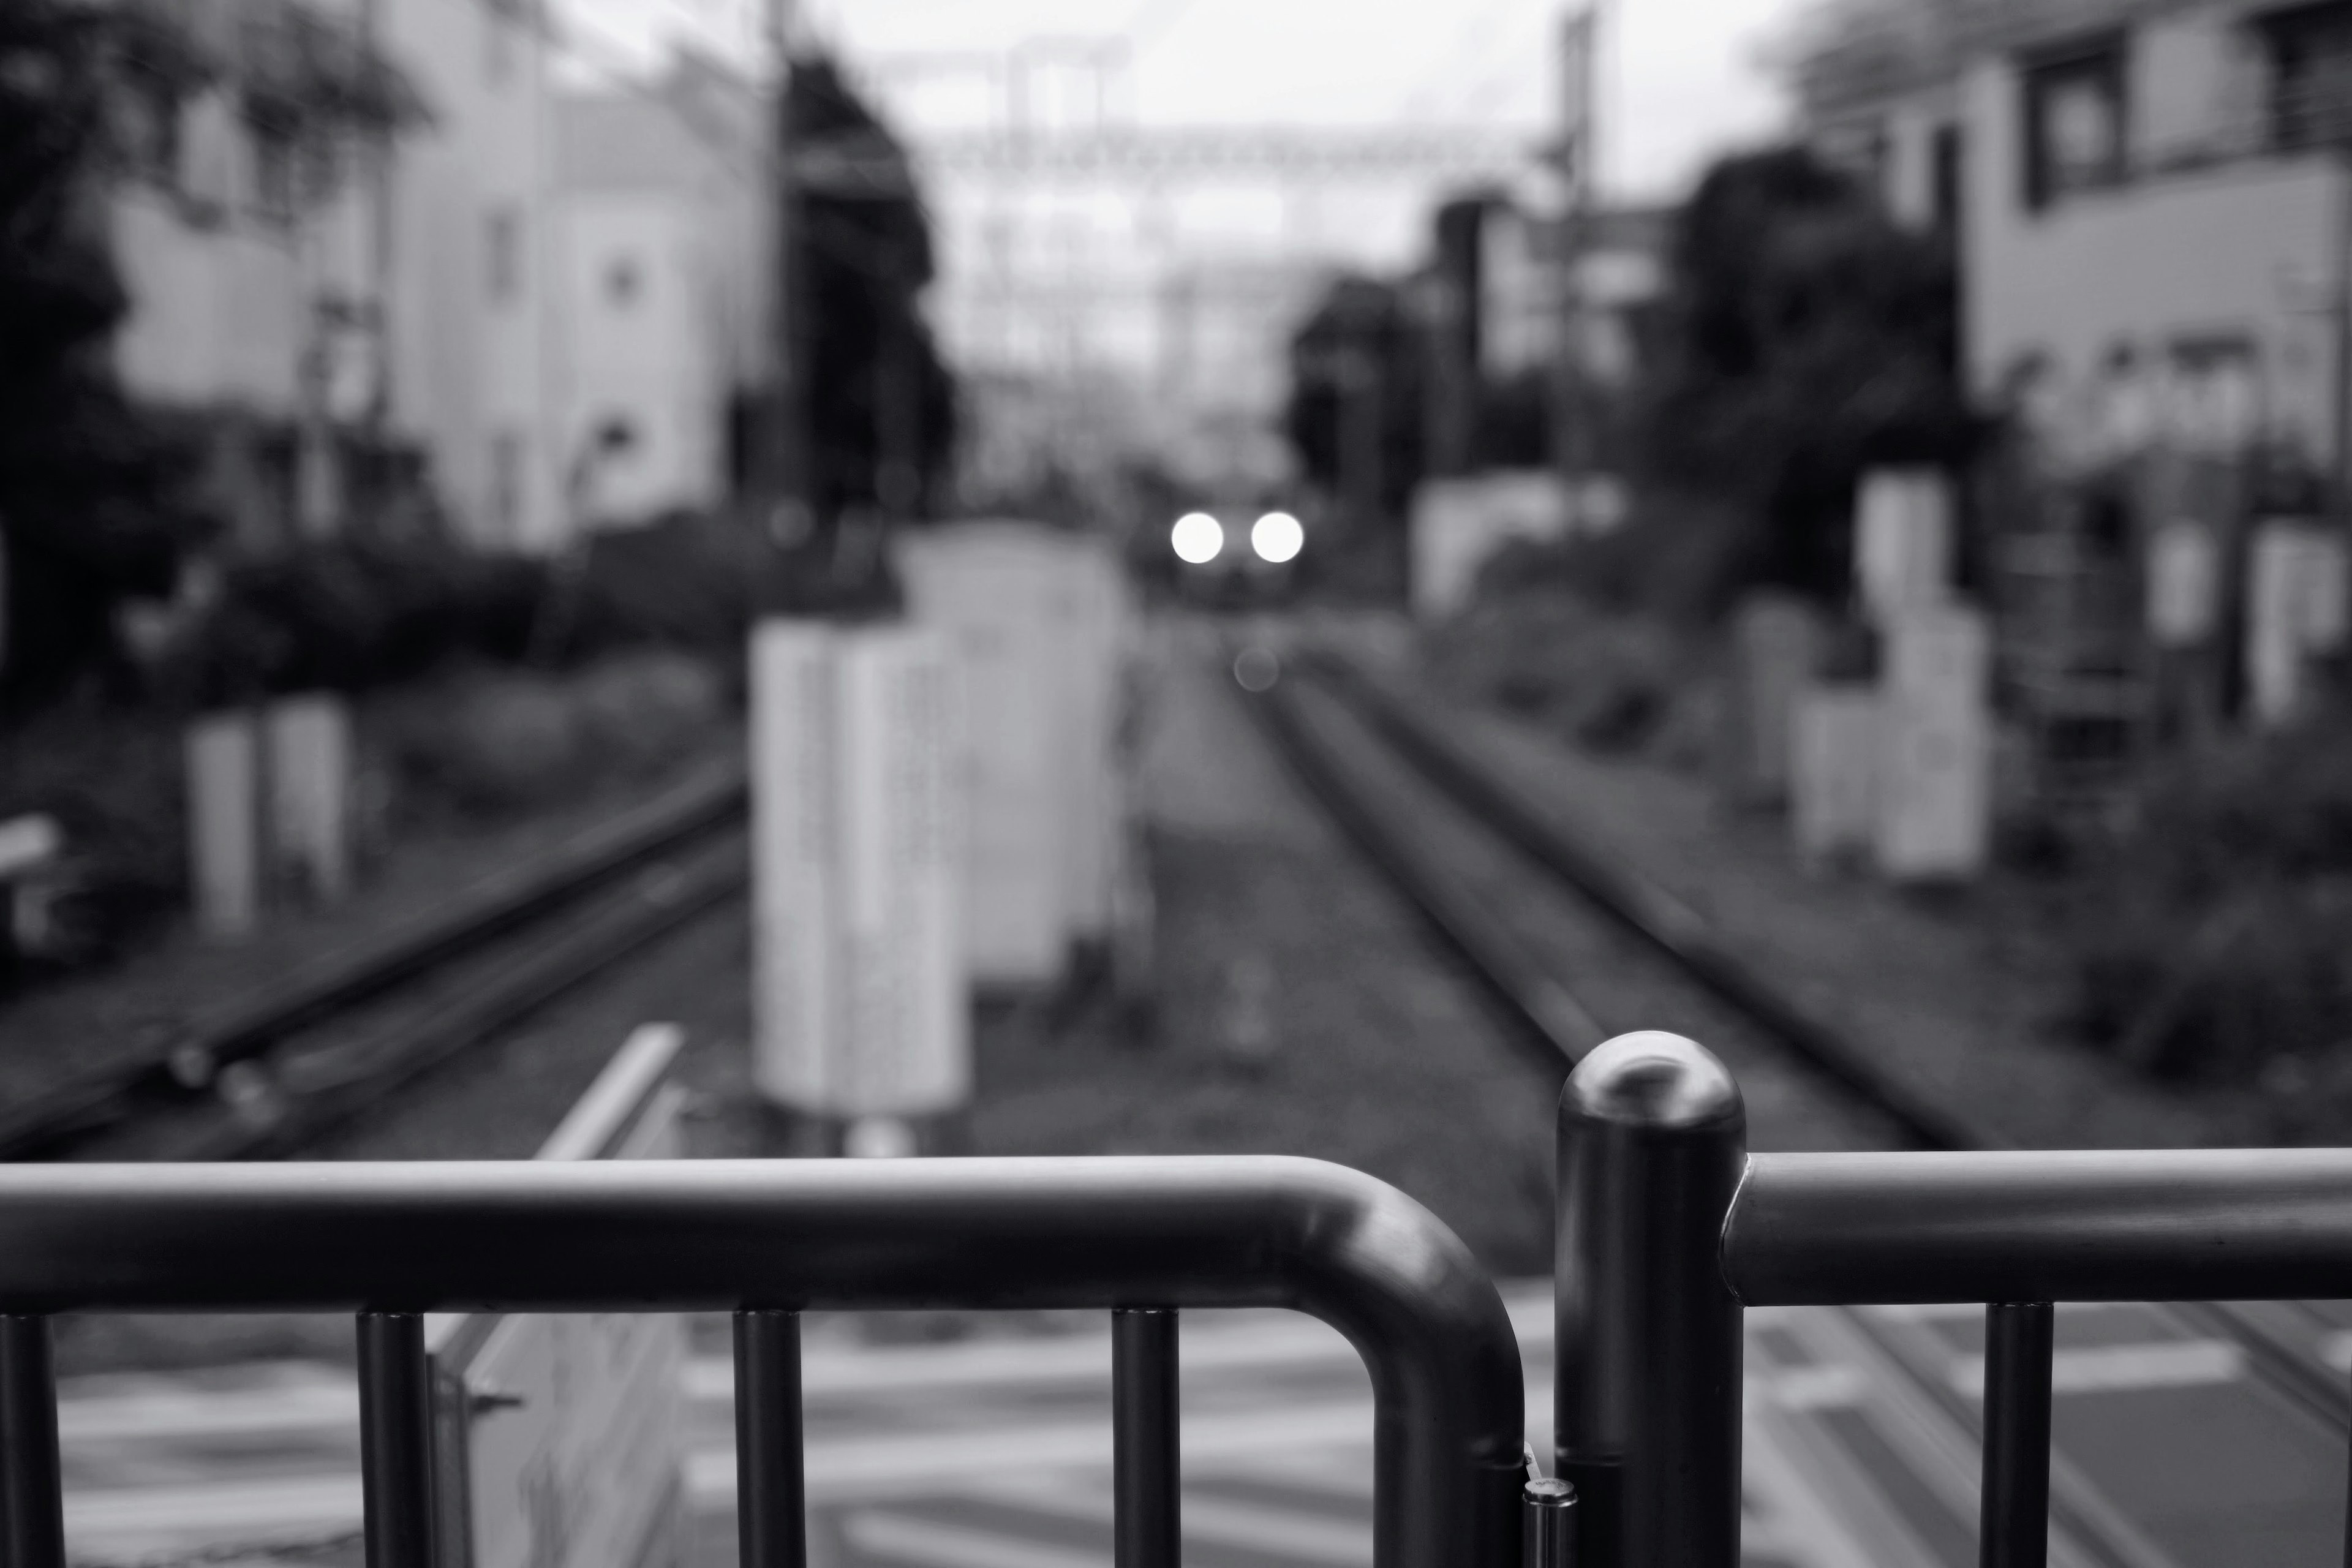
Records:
x=882, y=1466
x=1219, y=1520
x=2112, y=1369
x=1817, y=1387
x=168, y=1415
x=931, y=1545
x=128, y=1517
x=1925, y=1311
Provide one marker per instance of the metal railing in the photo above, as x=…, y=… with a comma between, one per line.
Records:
x=1669, y=1229
x=1143, y=1238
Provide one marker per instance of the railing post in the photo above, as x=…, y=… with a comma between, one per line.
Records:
x=770, y=1488
x=1548, y=1525
x=1146, y=1464
x=395, y=1440
x=2013, y=1524
x=32, y=1500
x=1653, y=1140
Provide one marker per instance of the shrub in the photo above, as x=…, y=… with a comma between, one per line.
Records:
x=1603, y=679
x=2215, y=940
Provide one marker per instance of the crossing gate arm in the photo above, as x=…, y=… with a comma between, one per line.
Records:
x=767, y=1239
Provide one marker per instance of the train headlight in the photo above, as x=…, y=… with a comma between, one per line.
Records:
x=1198, y=538
x=1277, y=537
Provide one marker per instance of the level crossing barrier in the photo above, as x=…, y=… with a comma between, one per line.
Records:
x=1668, y=1229
x=1143, y=1238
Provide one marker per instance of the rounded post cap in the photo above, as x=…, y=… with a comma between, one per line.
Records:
x=1550, y=1492
x=1652, y=1079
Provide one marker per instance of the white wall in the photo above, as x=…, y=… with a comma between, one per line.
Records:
x=652, y=357
x=469, y=374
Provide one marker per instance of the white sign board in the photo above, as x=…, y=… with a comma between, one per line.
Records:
x=2184, y=584
x=906, y=1036
x=224, y=771
x=1775, y=653
x=1833, y=771
x=1458, y=524
x=1039, y=624
x=309, y=744
x=1935, y=773
x=858, y=972
x=2296, y=610
x=1097, y=673
x=559, y=1437
x=795, y=1003
x=1903, y=542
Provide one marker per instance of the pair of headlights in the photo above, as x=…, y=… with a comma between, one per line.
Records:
x=1200, y=539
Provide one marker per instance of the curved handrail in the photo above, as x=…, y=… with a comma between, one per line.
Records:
x=712, y=1234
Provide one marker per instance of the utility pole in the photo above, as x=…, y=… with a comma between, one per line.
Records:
x=1573, y=433
x=781, y=477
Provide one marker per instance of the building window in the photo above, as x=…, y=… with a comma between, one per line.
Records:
x=507, y=480
x=2310, y=59
x=623, y=281
x=2077, y=123
x=503, y=242
x=276, y=173
x=1947, y=178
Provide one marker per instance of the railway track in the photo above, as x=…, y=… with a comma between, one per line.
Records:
x=273, y=1069
x=1528, y=900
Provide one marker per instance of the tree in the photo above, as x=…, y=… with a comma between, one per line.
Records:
x=881, y=408
x=92, y=507
x=1359, y=353
x=1805, y=337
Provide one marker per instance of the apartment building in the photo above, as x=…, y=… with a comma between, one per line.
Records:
x=2149, y=205
x=355, y=308
x=2152, y=205
x=661, y=289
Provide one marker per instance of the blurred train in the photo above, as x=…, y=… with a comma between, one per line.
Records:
x=1236, y=557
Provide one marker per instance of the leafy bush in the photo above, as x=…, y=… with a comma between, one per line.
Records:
x=112, y=781
x=1606, y=680
x=486, y=743
x=2216, y=941
x=354, y=614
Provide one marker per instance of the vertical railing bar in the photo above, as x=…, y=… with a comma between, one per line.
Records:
x=1145, y=1445
x=395, y=1440
x=32, y=1496
x=2014, y=1524
x=771, y=1495
x=2347, y=1513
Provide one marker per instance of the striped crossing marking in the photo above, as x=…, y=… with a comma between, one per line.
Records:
x=989, y=1452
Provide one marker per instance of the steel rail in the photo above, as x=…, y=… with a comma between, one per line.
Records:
x=188, y=1064
x=1688, y=940
x=1514, y=976
x=775, y=1236
x=1648, y=911
x=280, y=1113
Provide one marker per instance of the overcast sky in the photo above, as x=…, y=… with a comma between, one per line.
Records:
x=1683, y=78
